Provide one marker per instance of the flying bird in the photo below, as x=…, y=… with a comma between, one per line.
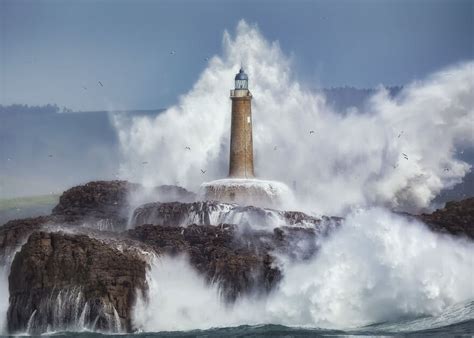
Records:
x=400, y=134
x=173, y=52
x=405, y=156
x=203, y=171
x=101, y=84
x=50, y=155
x=311, y=132
x=446, y=169
x=275, y=148
x=85, y=88
x=144, y=162
x=206, y=59
x=187, y=148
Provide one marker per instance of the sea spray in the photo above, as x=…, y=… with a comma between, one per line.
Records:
x=4, y=294
x=381, y=156
x=180, y=299
x=377, y=267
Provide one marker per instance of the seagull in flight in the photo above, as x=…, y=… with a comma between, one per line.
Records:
x=173, y=52
x=401, y=133
x=203, y=171
x=311, y=132
x=275, y=148
x=187, y=148
x=405, y=156
x=50, y=155
x=101, y=84
x=85, y=88
x=144, y=162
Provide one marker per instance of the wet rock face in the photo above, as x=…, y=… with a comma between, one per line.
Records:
x=14, y=233
x=96, y=201
x=62, y=281
x=217, y=253
x=105, y=205
x=239, y=259
x=215, y=213
x=456, y=218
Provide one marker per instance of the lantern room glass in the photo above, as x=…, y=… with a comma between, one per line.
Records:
x=241, y=84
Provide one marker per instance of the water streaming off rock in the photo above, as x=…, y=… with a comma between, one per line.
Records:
x=67, y=310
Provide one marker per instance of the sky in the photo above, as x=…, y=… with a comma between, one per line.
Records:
x=55, y=51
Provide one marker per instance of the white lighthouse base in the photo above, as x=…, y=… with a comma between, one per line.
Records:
x=244, y=191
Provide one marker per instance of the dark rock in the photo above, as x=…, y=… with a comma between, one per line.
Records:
x=456, y=218
x=100, y=201
x=105, y=205
x=62, y=281
x=14, y=233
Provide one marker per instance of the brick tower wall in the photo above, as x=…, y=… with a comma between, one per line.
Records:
x=241, y=143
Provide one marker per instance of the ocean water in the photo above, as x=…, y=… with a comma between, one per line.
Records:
x=462, y=329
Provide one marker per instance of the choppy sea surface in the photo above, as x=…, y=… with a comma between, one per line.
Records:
x=457, y=321
x=464, y=329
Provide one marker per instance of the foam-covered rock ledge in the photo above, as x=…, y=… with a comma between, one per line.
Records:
x=60, y=281
x=215, y=213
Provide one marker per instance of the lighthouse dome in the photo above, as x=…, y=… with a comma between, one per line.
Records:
x=241, y=80
x=241, y=75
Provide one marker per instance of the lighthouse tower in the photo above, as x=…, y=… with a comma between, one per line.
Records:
x=241, y=145
x=241, y=187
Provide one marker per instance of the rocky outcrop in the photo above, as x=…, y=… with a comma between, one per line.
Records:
x=89, y=276
x=61, y=281
x=456, y=218
x=106, y=205
x=103, y=203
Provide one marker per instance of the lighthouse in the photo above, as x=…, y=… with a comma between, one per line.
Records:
x=241, y=186
x=241, y=144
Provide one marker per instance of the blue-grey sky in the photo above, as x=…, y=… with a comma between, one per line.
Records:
x=51, y=49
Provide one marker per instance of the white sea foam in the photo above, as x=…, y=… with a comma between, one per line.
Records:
x=4, y=295
x=355, y=158
x=377, y=267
